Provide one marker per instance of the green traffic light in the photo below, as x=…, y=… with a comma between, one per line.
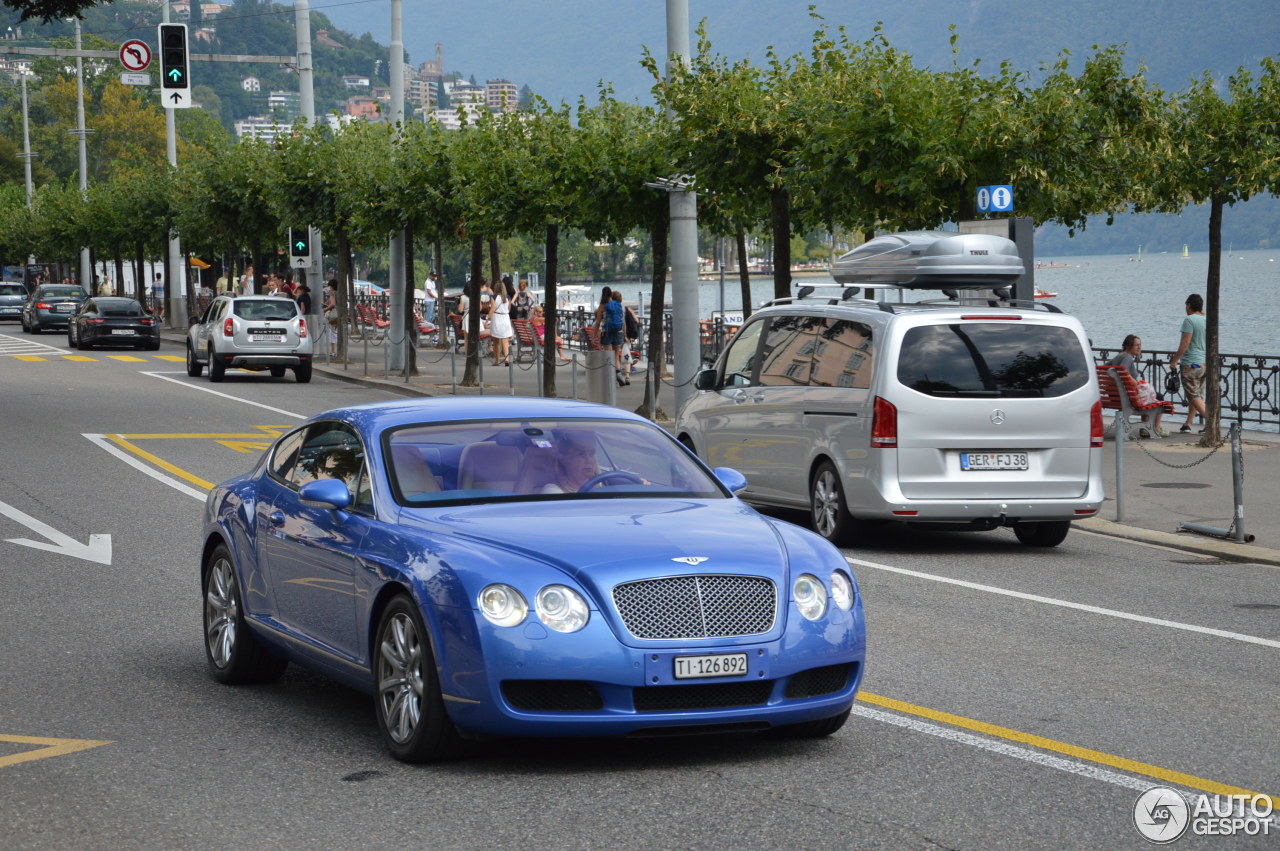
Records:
x=300, y=245
x=175, y=75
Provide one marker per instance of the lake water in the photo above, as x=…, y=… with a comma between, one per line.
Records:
x=1112, y=295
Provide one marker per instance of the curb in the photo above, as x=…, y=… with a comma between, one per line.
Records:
x=1186, y=541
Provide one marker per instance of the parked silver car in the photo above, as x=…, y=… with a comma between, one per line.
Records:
x=11, y=298
x=931, y=414
x=250, y=332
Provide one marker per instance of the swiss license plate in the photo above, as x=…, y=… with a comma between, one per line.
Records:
x=62, y=308
x=266, y=338
x=993, y=461
x=124, y=332
x=722, y=665
x=10, y=309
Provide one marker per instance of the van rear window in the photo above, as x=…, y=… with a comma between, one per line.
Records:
x=992, y=359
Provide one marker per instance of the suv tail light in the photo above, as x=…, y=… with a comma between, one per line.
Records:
x=302, y=329
x=1095, y=425
x=228, y=328
x=884, y=425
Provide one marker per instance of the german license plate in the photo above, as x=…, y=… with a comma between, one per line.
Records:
x=993, y=461
x=123, y=332
x=266, y=338
x=722, y=665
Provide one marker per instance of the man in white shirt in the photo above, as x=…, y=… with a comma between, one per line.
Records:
x=429, y=297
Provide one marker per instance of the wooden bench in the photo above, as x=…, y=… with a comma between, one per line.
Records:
x=366, y=316
x=1119, y=392
x=526, y=341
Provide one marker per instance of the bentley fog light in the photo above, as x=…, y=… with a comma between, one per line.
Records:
x=811, y=596
x=503, y=605
x=842, y=590
x=561, y=608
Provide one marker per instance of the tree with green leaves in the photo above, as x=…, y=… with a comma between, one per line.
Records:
x=1222, y=147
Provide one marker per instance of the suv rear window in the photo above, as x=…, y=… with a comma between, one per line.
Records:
x=267, y=309
x=992, y=359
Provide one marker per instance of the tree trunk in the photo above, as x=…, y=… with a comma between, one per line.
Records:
x=744, y=274
x=780, y=218
x=140, y=282
x=495, y=268
x=119, y=261
x=410, y=320
x=549, y=315
x=1213, y=289
x=259, y=267
x=471, y=373
x=659, y=232
x=442, y=318
x=346, y=274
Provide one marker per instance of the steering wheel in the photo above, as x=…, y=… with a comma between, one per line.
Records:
x=601, y=478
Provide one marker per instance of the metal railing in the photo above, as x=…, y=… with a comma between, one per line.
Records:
x=1250, y=385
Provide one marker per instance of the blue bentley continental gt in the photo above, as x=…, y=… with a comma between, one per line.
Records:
x=531, y=567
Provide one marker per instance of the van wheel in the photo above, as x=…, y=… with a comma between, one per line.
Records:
x=828, y=509
x=1047, y=534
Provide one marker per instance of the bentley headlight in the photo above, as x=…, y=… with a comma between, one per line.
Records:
x=842, y=590
x=561, y=608
x=503, y=605
x=811, y=596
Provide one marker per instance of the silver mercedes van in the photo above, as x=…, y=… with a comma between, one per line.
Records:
x=940, y=413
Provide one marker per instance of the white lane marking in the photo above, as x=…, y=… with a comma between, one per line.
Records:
x=1067, y=604
x=10, y=345
x=164, y=377
x=133, y=461
x=1092, y=772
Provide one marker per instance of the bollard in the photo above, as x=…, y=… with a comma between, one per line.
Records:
x=1121, y=422
x=1237, y=492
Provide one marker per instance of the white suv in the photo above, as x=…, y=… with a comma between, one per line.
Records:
x=250, y=332
x=932, y=413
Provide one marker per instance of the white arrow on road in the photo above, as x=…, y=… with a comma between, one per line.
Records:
x=98, y=549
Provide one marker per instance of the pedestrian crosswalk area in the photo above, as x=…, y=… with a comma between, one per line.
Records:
x=32, y=350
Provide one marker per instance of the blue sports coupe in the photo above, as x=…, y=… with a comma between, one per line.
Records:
x=516, y=566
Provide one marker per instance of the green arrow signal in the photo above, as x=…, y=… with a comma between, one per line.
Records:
x=175, y=75
x=299, y=245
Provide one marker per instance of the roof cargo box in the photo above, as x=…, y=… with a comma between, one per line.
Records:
x=931, y=259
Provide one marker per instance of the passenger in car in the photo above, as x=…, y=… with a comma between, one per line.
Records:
x=575, y=462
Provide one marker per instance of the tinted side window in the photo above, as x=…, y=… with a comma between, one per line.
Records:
x=740, y=360
x=844, y=355
x=286, y=455
x=995, y=359
x=787, y=354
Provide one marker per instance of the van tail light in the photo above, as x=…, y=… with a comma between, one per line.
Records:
x=302, y=329
x=1095, y=425
x=884, y=425
x=228, y=328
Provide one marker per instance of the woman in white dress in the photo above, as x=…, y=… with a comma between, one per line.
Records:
x=500, y=328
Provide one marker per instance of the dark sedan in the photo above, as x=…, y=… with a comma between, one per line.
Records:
x=51, y=306
x=113, y=321
x=11, y=298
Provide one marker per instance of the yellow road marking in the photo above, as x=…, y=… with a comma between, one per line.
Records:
x=51, y=747
x=247, y=446
x=1130, y=765
x=29, y=357
x=272, y=431
x=127, y=358
x=174, y=358
x=80, y=358
x=120, y=441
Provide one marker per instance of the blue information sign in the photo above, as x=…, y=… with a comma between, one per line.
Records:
x=995, y=199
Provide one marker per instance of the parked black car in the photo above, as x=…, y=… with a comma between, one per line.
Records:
x=113, y=321
x=51, y=306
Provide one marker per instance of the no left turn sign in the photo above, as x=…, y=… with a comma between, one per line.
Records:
x=135, y=55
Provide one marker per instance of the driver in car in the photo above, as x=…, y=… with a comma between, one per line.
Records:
x=575, y=463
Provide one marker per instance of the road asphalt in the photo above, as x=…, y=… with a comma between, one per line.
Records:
x=1167, y=481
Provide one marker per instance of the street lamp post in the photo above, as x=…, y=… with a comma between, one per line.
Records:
x=684, y=236
x=86, y=270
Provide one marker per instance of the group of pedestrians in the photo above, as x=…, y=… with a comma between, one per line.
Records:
x=1189, y=361
x=616, y=324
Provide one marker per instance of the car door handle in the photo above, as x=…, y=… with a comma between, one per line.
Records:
x=276, y=518
x=739, y=396
x=757, y=397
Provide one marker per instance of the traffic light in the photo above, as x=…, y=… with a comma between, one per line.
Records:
x=299, y=242
x=174, y=66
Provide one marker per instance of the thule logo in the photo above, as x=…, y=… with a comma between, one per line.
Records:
x=982, y=251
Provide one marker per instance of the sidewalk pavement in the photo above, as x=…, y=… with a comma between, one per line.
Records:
x=1166, y=481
